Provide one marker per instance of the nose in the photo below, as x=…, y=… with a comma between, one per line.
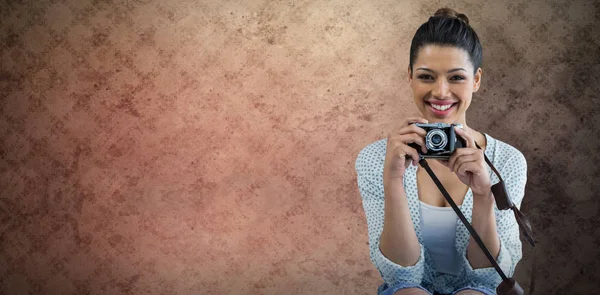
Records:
x=441, y=89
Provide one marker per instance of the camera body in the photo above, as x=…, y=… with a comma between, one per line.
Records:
x=441, y=140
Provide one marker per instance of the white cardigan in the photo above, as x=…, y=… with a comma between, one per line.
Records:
x=512, y=166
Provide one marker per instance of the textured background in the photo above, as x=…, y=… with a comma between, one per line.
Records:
x=208, y=147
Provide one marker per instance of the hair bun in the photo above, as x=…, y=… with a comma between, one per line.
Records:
x=451, y=13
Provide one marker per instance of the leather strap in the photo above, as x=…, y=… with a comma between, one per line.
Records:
x=464, y=220
x=503, y=202
x=508, y=286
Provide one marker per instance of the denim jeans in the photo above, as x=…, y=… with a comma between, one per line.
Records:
x=385, y=290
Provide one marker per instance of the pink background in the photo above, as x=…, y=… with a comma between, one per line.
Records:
x=208, y=147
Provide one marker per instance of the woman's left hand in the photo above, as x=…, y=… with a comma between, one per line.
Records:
x=469, y=165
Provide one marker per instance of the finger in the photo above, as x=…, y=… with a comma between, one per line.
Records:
x=395, y=147
x=454, y=157
x=460, y=152
x=414, y=138
x=407, y=138
x=404, y=126
x=410, y=120
x=401, y=154
x=463, y=159
x=410, y=138
x=401, y=150
x=455, y=160
x=412, y=153
x=466, y=135
x=413, y=129
x=467, y=166
x=451, y=160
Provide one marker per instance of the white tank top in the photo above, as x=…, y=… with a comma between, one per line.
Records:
x=438, y=230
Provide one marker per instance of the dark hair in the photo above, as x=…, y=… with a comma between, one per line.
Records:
x=447, y=28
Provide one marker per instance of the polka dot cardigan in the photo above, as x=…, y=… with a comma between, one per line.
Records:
x=512, y=167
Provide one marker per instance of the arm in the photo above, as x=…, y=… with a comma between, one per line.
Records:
x=508, y=252
x=374, y=205
x=484, y=223
x=398, y=239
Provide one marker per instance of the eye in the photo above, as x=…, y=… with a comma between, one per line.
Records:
x=457, y=78
x=425, y=77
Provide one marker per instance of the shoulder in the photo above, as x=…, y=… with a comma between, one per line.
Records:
x=505, y=156
x=371, y=159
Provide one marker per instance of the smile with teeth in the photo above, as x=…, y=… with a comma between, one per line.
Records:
x=441, y=107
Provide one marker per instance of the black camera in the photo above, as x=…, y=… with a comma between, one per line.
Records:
x=441, y=140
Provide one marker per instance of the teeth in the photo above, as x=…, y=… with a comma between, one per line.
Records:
x=441, y=108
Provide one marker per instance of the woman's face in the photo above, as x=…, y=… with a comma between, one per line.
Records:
x=443, y=83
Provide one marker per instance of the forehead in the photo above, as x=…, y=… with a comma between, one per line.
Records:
x=437, y=57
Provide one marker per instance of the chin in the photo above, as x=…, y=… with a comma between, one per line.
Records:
x=453, y=117
x=434, y=119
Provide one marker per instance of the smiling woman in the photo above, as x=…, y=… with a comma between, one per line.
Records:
x=443, y=83
x=415, y=239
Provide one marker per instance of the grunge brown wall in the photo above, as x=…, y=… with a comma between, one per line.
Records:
x=208, y=147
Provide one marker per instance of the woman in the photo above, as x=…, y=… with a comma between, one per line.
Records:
x=417, y=242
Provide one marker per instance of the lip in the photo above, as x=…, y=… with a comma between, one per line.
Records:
x=442, y=114
x=441, y=102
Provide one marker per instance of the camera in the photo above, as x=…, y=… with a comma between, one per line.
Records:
x=441, y=140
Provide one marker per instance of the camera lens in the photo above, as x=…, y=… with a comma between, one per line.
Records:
x=436, y=140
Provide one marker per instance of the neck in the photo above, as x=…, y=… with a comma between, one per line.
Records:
x=462, y=120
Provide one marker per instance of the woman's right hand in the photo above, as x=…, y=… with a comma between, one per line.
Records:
x=397, y=149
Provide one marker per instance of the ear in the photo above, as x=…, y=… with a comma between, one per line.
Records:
x=409, y=75
x=477, y=80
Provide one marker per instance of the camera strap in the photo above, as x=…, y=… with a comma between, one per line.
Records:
x=503, y=202
x=508, y=286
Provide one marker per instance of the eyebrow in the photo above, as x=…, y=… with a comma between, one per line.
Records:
x=450, y=71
